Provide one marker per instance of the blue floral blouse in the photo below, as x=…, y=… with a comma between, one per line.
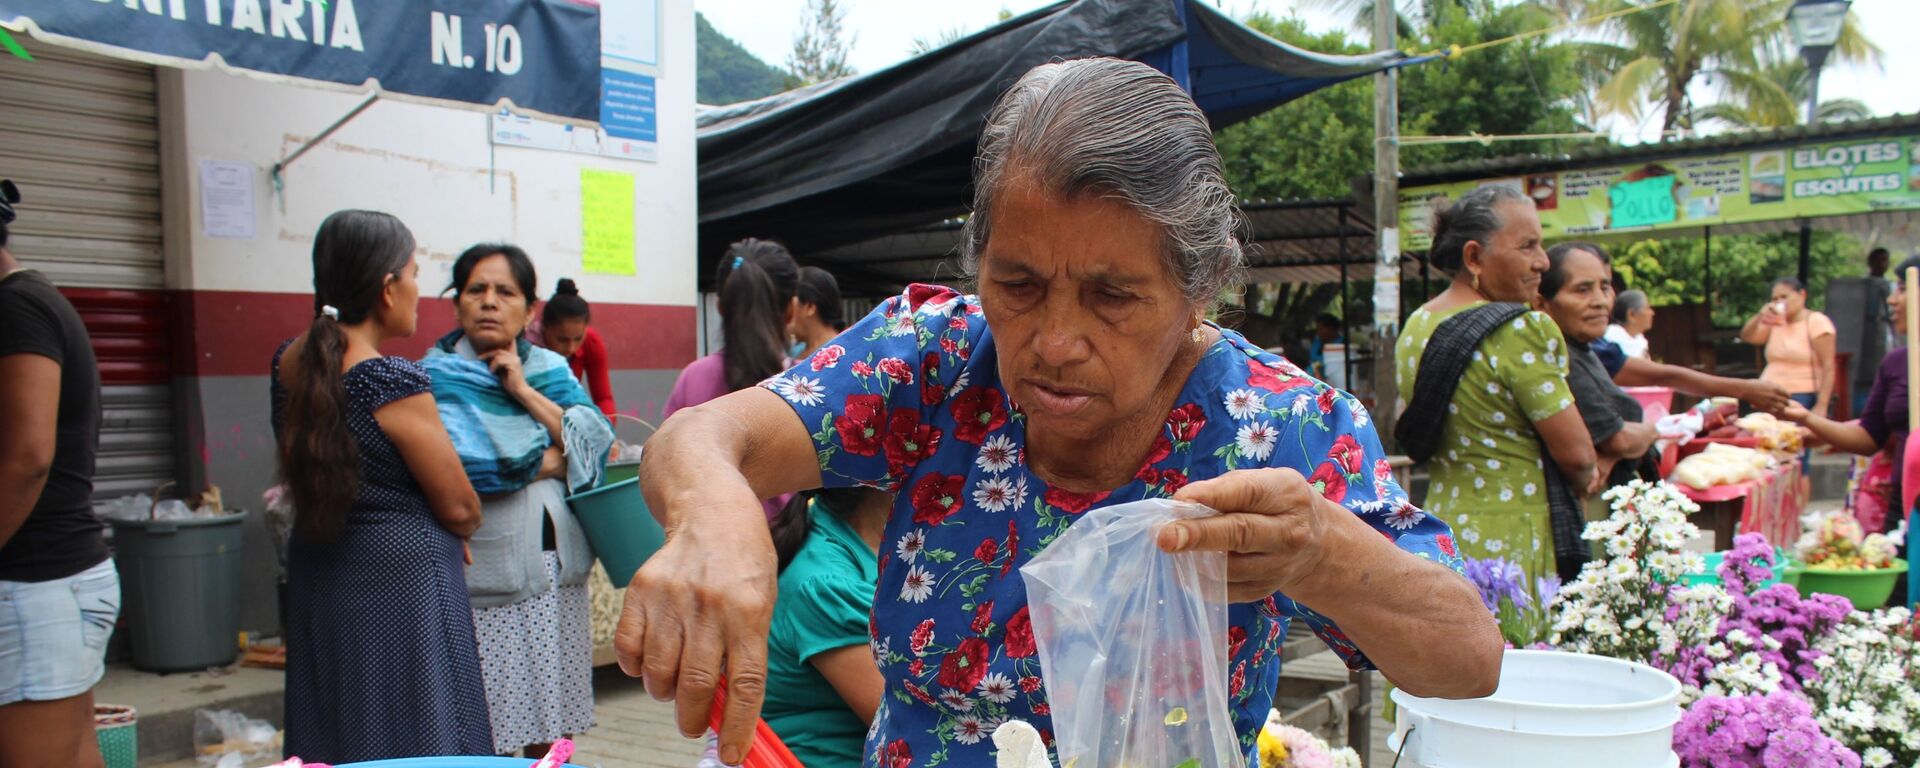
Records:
x=910, y=400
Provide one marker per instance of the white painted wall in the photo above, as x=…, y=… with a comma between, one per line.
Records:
x=435, y=168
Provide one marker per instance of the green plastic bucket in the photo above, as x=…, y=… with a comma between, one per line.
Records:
x=1711, y=575
x=116, y=728
x=619, y=472
x=1866, y=589
x=622, y=531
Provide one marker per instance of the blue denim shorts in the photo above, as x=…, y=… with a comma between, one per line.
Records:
x=53, y=634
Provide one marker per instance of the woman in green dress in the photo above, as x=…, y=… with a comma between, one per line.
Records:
x=1511, y=418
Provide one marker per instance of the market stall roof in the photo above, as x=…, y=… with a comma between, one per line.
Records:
x=539, y=57
x=1289, y=241
x=860, y=159
x=1873, y=226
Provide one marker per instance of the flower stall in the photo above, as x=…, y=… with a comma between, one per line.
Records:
x=1770, y=674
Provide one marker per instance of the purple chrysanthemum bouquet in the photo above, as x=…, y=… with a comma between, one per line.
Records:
x=1776, y=730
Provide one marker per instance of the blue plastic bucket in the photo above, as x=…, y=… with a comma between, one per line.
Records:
x=622, y=531
x=448, y=762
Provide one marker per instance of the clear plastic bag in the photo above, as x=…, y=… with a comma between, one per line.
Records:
x=1133, y=643
x=227, y=739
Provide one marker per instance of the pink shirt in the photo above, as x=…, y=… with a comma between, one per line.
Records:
x=702, y=380
x=1790, y=358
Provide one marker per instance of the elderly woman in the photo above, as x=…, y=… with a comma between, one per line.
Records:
x=1491, y=411
x=1082, y=375
x=1632, y=318
x=527, y=433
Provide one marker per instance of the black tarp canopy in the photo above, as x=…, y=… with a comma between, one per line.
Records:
x=889, y=152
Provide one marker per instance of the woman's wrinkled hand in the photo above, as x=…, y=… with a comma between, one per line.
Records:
x=1273, y=526
x=699, y=611
x=505, y=363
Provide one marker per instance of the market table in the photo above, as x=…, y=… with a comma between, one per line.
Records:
x=1769, y=506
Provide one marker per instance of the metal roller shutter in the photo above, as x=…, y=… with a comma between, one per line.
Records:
x=80, y=135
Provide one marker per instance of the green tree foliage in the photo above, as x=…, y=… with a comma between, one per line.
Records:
x=1775, y=96
x=1654, y=57
x=1742, y=272
x=1311, y=147
x=821, y=46
x=727, y=72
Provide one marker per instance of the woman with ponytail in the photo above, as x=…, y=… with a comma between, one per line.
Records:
x=381, y=656
x=819, y=318
x=759, y=284
x=564, y=329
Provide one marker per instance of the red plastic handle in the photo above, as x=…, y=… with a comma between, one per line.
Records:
x=767, y=751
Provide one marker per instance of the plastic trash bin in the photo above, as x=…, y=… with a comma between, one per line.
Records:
x=180, y=589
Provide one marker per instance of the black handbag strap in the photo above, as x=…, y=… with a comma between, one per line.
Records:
x=1442, y=364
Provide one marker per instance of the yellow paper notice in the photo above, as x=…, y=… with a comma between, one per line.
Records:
x=606, y=222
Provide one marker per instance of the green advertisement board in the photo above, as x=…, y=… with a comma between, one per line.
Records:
x=1780, y=183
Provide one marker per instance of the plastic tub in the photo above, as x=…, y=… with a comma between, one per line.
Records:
x=619, y=472
x=448, y=762
x=180, y=580
x=1567, y=710
x=622, y=531
x=1866, y=589
x=1654, y=400
x=1712, y=573
x=117, y=729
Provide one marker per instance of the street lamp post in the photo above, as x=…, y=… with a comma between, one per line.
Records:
x=1815, y=26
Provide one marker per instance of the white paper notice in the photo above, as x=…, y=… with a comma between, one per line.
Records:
x=226, y=199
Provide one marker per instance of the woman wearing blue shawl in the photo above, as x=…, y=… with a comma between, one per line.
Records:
x=527, y=434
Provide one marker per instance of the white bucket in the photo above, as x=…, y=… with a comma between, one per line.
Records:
x=1566, y=710
x=1333, y=357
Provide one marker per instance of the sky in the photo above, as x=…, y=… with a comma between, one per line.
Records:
x=884, y=31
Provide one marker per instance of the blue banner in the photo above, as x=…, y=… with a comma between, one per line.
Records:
x=542, y=55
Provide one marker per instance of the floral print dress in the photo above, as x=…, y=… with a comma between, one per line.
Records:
x=1488, y=476
x=910, y=400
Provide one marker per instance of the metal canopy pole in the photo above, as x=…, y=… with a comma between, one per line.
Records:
x=279, y=181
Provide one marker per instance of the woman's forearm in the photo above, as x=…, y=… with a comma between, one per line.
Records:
x=1851, y=438
x=1396, y=626
x=547, y=412
x=1755, y=332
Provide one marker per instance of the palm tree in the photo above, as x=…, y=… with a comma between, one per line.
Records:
x=1772, y=96
x=1653, y=57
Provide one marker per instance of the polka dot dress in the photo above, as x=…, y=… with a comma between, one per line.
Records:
x=381, y=656
x=538, y=661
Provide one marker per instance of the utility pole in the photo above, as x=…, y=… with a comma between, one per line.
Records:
x=1386, y=222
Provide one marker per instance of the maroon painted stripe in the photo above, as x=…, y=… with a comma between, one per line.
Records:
x=234, y=333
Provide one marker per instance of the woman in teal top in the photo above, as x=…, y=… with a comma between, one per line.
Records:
x=822, y=683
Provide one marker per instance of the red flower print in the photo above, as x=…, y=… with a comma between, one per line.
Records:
x=949, y=346
x=908, y=441
x=987, y=551
x=958, y=324
x=1172, y=480
x=1186, y=421
x=1259, y=656
x=983, y=617
x=1073, y=503
x=962, y=669
x=936, y=497
x=1346, y=452
x=1273, y=629
x=1030, y=683
x=917, y=668
x=861, y=369
x=1326, y=400
x=921, y=294
x=1043, y=710
x=931, y=392
x=1162, y=448
x=1270, y=608
x=1446, y=545
x=1046, y=735
x=1382, y=471
x=827, y=357
x=898, y=755
x=1236, y=640
x=859, y=426
x=1239, y=680
x=1272, y=378
x=919, y=693
x=897, y=369
x=977, y=412
x=1012, y=546
x=1020, y=635
x=1330, y=482
x=922, y=635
